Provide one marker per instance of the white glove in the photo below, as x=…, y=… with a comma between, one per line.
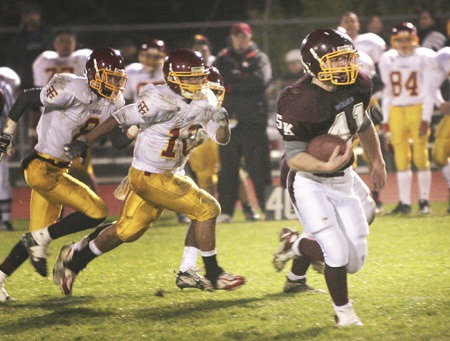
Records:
x=220, y=116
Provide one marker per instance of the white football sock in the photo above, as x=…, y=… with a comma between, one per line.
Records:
x=42, y=237
x=3, y=277
x=446, y=173
x=424, y=179
x=95, y=250
x=293, y=277
x=404, y=186
x=189, y=260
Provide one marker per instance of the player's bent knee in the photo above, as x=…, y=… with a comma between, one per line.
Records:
x=208, y=210
x=97, y=210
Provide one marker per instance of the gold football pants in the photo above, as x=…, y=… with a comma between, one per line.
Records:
x=52, y=187
x=404, y=123
x=204, y=161
x=441, y=147
x=150, y=194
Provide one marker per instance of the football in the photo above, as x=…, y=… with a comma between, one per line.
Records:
x=322, y=146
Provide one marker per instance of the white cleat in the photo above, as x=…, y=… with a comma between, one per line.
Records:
x=4, y=297
x=37, y=252
x=284, y=253
x=63, y=276
x=192, y=279
x=345, y=317
x=227, y=281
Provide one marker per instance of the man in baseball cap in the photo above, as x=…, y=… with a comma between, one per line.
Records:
x=243, y=28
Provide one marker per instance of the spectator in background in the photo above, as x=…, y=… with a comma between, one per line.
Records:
x=9, y=85
x=370, y=43
x=429, y=32
x=203, y=162
x=247, y=73
x=201, y=44
x=375, y=25
x=294, y=68
x=32, y=38
x=128, y=49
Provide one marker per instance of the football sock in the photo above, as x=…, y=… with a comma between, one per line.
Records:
x=212, y=268
x=446, y=173
x=74, y=222
x=81, y=258
x=404, y=186
x=336, y=279
x=300, y=265
x=424, y=179
x=16, y=257
x=5, y=209
x=293, y=277
x=189, y=260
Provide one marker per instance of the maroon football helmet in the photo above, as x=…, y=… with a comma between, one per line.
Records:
x=404, y=38
x=105, y=70
x=324, y=46
x=216, y=84
x=186, y=73
x=152, y=54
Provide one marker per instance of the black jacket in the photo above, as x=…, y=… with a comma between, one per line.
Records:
x=246, y=78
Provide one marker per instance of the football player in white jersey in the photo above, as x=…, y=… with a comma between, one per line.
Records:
x=170, y=117
x=9, y=84
x=73, y=106
x=406, y=70
x=441, y=146
x=370, y=43
x=64, y=59
x=148, y=71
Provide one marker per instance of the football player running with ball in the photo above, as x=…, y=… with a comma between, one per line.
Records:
x=73, y=106
x=169, y=117
x=331, y=99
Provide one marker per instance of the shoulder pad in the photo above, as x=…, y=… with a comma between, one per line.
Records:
x=160, y=96
x=72, y=85
x=83, y=52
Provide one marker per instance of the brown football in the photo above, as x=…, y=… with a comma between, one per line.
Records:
x=322, y=146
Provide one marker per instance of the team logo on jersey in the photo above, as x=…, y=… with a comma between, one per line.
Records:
x=142, y=108
x=51, y=93
x=285, y=127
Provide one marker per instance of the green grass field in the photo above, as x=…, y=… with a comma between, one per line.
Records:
x=402, y=292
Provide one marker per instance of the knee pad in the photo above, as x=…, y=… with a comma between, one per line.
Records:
x=210, y=208
x=334, y=246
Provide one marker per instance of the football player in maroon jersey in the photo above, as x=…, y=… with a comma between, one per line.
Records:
x=331, y=99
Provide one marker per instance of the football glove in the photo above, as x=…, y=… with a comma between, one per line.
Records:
x=76, y=148
x=5, y=143
x=375, y=114
x=220, y=116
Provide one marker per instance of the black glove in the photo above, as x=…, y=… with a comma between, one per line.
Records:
x=375, y=114
x=76, y=148
x=5, y=141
